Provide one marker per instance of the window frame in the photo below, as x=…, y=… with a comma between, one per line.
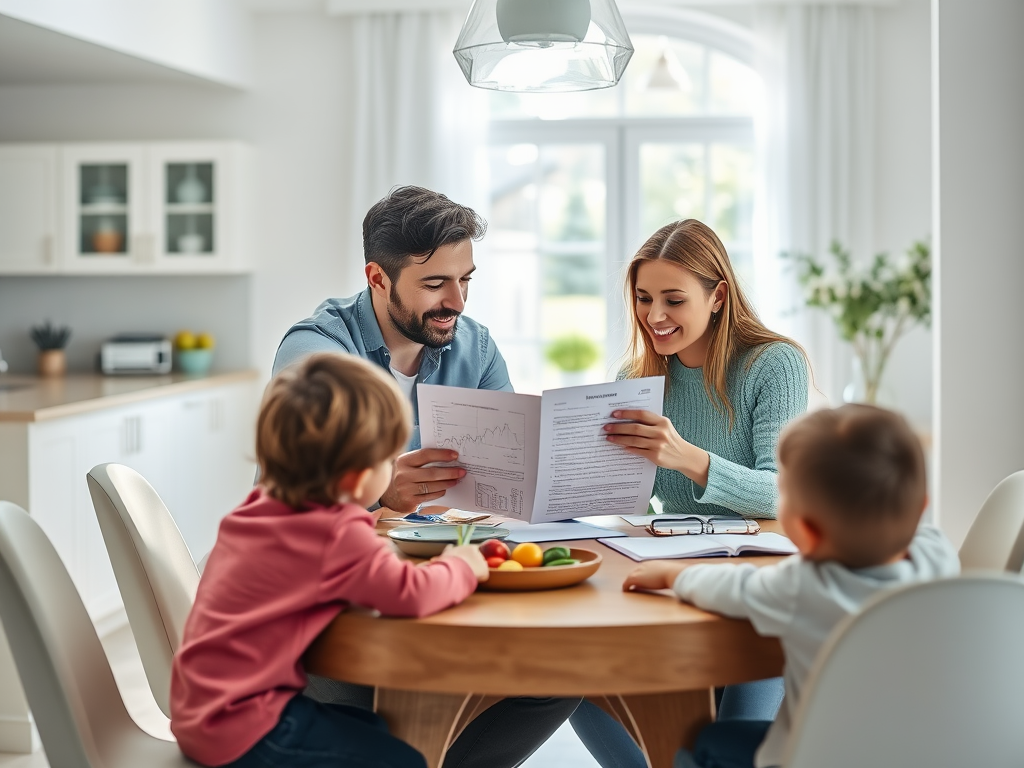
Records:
x=622, y=137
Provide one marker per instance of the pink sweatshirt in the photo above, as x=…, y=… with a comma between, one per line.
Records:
x=275, y=579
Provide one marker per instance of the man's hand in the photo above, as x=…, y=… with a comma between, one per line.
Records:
x=656, y=574
x=413, y=483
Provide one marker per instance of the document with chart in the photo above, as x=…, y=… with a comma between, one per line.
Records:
x=541, y=459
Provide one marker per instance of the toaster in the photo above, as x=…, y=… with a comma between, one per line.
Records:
x=136, y=353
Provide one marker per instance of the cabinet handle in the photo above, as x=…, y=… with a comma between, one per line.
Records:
x=216, y=415
x=132, y=435
x=142, y=248
x=48, y=249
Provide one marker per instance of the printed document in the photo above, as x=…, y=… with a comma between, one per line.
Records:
x=541, y=459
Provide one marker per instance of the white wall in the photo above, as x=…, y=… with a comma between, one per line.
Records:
x=207, y=38
x=902, y=202
x=979, y=197
x=296, y=118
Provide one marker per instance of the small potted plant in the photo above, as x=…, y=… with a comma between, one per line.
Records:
x=572, y=355
x=51, y=341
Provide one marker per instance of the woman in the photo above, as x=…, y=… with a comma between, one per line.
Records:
x=731, y=386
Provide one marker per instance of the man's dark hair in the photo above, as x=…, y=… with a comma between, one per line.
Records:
x=413, y=222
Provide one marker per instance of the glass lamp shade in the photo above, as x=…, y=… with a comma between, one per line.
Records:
x=543, y=46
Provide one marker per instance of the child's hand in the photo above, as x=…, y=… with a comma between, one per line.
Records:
x=470, y=553
x=657, y=574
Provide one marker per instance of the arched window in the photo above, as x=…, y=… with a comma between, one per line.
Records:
x=578, y=181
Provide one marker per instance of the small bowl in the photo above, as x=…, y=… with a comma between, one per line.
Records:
x=194, y=361
x=430, y=540
x=545, y=577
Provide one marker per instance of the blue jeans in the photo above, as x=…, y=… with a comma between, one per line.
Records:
x=612, y=746
x=725, y=744
x=314, y=735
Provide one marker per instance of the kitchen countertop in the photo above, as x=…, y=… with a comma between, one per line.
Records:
x=31, y=398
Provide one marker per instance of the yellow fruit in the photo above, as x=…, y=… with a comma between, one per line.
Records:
x=185, y=340
x=206, y=341
x=510, y=565
x=528, y=555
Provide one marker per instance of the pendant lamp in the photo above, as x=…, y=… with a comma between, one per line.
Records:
x=543, y=46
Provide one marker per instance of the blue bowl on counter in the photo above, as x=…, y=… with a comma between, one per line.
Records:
x=194, y=362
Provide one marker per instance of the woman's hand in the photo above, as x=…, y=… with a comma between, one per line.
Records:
x=656, y=574
x=654, y=438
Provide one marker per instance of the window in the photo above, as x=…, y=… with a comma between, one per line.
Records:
x=578, y=181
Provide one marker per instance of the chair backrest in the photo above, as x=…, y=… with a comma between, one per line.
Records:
x=995, y=540
x=155, y=572
x=929, y=675
x=63, y=669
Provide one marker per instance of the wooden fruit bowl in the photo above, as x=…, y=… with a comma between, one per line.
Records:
x=549, y=577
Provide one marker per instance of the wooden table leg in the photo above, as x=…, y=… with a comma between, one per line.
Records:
x=430, y=722
x=661, y=723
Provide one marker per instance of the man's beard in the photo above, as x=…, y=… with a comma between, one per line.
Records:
x=416, y=328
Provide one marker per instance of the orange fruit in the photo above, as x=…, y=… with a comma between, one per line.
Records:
x=509, y=565
x=528, y=555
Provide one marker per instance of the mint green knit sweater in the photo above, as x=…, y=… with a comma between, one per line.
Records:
x=743, y=474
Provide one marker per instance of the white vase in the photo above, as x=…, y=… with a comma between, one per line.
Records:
x=190, y=189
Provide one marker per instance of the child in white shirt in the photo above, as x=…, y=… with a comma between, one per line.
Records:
x=852, y=490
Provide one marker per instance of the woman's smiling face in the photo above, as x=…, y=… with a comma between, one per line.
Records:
x=674, y=310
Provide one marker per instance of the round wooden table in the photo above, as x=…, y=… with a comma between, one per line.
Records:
x=646, y=659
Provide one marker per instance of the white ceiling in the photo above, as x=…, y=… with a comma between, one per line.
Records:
x=32, y=55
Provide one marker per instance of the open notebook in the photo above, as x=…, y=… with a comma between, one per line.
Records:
x=709, y=545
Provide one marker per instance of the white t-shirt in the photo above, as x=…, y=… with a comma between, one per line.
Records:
x=800, y=602
x=405, y=383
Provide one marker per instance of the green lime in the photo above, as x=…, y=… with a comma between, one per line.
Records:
x=563, y=561
x=556, y=553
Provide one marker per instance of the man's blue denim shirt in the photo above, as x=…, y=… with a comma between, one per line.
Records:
x=472, y=359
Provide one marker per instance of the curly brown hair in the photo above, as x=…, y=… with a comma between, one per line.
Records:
x=330, y=414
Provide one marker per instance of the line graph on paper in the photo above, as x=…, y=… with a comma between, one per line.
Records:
x=482, y=435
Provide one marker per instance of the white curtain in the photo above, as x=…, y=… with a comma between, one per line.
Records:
x=815, y=137
x=416, y=119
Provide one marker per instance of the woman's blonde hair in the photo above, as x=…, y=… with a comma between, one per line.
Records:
x=735, y=328
x=329, y=414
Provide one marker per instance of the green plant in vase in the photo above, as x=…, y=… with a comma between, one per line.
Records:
x=872, y=306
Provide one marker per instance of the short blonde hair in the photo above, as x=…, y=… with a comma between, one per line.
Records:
x=861, y=471
x=328, y=415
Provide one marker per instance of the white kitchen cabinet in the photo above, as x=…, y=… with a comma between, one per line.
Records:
x=28, y=208
x=124, y=208
x=195, y=449
x=103, y=199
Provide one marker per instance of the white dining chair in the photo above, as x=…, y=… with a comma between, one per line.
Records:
x=155, y=571
x=70, y=688
x=995, y=540
x=930, y=675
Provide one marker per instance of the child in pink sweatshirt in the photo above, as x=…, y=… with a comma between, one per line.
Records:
x=297, y=551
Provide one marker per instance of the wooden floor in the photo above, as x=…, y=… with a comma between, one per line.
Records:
x=563, y=750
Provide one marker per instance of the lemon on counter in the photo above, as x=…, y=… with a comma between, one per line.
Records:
x=206, y=341
x=185, y=340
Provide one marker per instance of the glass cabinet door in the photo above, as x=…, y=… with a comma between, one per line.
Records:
x=103, y=206
x=189, y=217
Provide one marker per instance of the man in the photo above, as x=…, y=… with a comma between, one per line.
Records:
x=418, y=248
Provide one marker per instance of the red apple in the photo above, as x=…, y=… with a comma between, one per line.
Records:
x=494, y=562
x=495, y=548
